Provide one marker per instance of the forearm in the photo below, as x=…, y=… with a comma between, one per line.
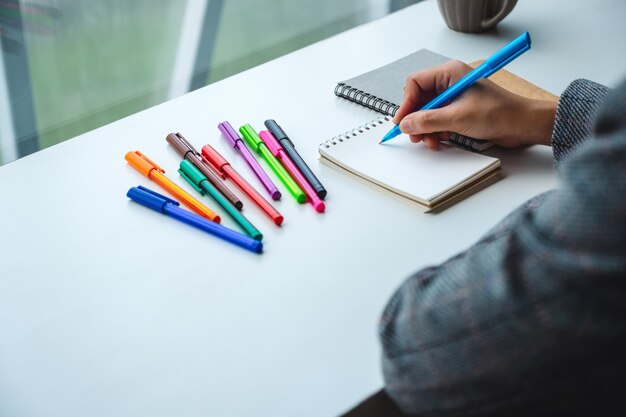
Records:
x=508, y=325
x=564, y=126
x=537, y=122
x=533, y=313
x=465, y=338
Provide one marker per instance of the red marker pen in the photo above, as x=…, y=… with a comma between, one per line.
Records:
x=222, y=166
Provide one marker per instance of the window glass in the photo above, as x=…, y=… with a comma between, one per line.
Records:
x=70, y=66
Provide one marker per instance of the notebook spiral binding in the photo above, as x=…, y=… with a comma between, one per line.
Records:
x=335, y=140
x=361, y=97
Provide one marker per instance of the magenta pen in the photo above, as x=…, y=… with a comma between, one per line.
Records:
x=237, y=142
x=277, y=150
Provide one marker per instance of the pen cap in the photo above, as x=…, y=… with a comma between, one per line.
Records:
x=250, y=136
x=186, y=150
x=214, y=158
x=508, y=53
x=276, y=130
x=142, y=163
x=229, y=133
x=179, y=143
x=192, y=174
x=270, y=142
x=149, y=198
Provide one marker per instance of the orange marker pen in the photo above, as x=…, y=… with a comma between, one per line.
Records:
x=154, y=172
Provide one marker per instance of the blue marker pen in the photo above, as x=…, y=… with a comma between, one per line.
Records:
x=165, y=205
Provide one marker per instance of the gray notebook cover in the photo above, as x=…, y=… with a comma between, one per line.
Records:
x=387, y=82
x=382, y=89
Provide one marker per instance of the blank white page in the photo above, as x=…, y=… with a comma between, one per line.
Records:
x=403, y=167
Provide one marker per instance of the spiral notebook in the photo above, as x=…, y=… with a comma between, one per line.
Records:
x=426, y=177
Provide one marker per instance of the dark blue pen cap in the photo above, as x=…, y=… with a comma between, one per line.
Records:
x=147, y=197
x=276, y=130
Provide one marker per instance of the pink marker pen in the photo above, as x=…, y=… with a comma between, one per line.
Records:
x=278, y=151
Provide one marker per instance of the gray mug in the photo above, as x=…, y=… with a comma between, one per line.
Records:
x=474, y=16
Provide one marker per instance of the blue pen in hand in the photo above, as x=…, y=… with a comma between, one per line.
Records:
x=495, y=62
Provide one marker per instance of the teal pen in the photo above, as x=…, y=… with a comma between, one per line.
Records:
x=201, y=184
x=492, y=64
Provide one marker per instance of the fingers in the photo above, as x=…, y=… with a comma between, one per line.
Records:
x=431, y=128
x=424, y=85
x=431, y=140
x=416, y=138
x=428, y=121
x=418, y=90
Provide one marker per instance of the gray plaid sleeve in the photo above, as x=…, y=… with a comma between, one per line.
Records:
x=531, y=318
x=578, y=106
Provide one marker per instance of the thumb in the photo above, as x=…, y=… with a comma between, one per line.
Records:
x=427, y=121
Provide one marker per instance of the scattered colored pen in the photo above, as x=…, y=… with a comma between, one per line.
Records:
x=289, y=147
x=280, y=153
x=236, y=142
x=223, y=168
x=257, y=144
x=492, y=64
x=169, y=207
x=187, y=151
x=200, y=183
x=154, y=172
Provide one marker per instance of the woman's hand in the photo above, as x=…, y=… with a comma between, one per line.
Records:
x=484, y=111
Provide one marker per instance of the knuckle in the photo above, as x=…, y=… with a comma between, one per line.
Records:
x=455, y=66
x=461, y=66
x=458, y=63
x=427, y=120
x=410, y=79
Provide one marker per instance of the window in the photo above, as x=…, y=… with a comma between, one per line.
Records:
x=70, y=66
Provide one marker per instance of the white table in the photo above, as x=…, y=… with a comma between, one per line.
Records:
x=96, y=320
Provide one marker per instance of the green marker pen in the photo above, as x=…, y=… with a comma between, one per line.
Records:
x=203, y=186
x=257, y=144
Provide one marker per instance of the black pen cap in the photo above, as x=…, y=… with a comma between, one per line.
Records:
x=276, y=130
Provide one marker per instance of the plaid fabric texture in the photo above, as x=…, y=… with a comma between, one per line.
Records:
x=531, y=320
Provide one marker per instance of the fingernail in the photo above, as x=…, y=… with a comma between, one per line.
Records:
x=406, y=126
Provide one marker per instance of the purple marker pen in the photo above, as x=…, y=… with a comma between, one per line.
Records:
x=237, y=142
